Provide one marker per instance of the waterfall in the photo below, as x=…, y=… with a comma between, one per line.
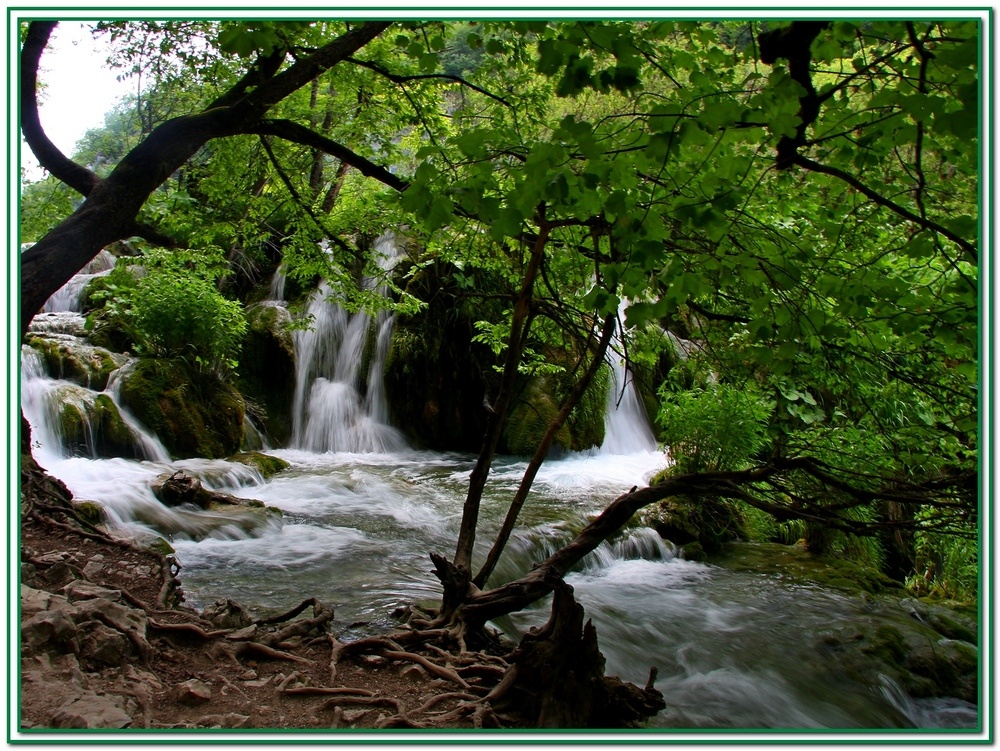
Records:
x=67, y=298
x=334, y=408
x=626, y=427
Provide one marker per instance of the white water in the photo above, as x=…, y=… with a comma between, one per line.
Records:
x=734, y=649
x=334, y=408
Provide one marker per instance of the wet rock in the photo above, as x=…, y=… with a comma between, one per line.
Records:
x=91, y=711
x=191, y=692
x=68, y=358
x=193, y=413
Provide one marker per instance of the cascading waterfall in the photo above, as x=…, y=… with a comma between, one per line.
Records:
x=68, y=297
x=334, y=408
x=626, y=427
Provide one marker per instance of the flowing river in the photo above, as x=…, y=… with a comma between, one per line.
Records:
x=734, y=649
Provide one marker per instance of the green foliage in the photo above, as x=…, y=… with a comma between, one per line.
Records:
x=714, y=429
x=170, y=307
x=181, y=316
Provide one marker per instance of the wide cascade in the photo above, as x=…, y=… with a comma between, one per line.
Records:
x=339, y=403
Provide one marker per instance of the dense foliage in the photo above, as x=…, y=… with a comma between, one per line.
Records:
x=791, y=207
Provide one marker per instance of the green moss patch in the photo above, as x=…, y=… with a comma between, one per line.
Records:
x=266, y=464
x=193, y=413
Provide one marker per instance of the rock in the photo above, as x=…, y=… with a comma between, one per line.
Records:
x=53, y=628
x=267, y=465
x=351, y=716
x=227, y=614
x=267, y=368
x=91, y=711
x=191, y=692
x=193, y=413
x=102, y=646
x=68, y=358
x=230, y=720
x=413, y=672
x=89, y=424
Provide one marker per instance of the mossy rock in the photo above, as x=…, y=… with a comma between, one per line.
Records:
x=267, y=465
x=193, y=413
x=684, y=520
x=435, y=375
x=267, y=369
x=159, y=545
x=90, y=425
x=796, y=563
x=91, y=511
x=67, y=358
x=539, y=403
x=529, y=418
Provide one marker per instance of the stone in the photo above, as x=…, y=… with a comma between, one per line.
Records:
x=91, y=710
x=191, y=692
x=229, y=720
x=227, y=614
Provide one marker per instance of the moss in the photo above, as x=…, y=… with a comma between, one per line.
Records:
x=92, y=426
x=529, y=418
x=160, y=545
x=684, y=519
x=888, y=645
x=266, y=464
x=267, y=369
x=435, y=375
x=194, y=414
x=70, y=360
x=91, y=511
x=694, y=551
x=796, y=563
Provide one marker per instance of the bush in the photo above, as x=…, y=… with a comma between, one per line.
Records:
x=178, y=315
x=714, y=429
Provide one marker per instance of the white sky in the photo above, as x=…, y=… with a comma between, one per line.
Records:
x=80, y=88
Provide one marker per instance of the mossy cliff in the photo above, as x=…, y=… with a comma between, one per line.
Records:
x=435, y=376
x=192, y=412
x=67, y=358
x=267, y=369
x=90, y=425
x=538, y=403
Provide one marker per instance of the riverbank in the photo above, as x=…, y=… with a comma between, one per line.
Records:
x=102, y=647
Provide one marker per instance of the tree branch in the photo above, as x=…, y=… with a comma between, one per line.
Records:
x=293, y=131
x=396, y=78
x=79, y=178
x=965, y=245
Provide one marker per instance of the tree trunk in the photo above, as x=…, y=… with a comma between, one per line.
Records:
x=515, y=346
x=542, y=451
x=557, y=676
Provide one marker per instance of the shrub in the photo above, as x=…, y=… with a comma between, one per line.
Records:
x=715, y=428
x=180, y=315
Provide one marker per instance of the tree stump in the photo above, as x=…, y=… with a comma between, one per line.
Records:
x=559, y=676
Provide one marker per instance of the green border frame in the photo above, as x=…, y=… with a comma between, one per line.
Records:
x=781, y=736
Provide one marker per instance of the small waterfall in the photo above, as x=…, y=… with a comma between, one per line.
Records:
x=67, y=298
x=626, y=427
x=277, y=289
x=334, y=409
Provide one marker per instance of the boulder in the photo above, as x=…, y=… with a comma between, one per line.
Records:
x=267, y=369
x=67, y=358
x=194, y=413
x=91, y=710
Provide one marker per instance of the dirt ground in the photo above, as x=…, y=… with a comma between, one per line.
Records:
x=197, y=676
